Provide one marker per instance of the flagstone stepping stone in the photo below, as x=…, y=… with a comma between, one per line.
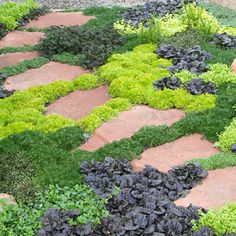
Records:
x=79, y=103
x=59, y=19
x=234, y=66
x=128, y=122
x=175, y=153
x=215, y=191
x=20, y=39
x=46, y=74
x=10, y=59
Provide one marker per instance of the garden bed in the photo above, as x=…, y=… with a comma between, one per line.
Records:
x=115, y=120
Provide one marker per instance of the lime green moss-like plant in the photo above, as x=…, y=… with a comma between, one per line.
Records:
x=221, y=220
x=131, y=76
x=228, y=137
x=10, y=12
x=24, y=109
x=103, y=113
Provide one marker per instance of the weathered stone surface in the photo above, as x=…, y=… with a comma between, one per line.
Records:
x=216, y=190
x=59, y=18
x=226, y=3
x=128, y=122
x=20, y=39
x=10, y=200
x=234, y=66
x=166, y=156
x=44, y=75
x=15, y=58
x=79, y=103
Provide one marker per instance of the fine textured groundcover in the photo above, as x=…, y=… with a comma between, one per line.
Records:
x=165, y=54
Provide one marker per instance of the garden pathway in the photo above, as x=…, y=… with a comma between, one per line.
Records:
x=218, y=188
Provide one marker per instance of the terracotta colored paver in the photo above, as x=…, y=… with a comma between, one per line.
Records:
x=15, y=58
x=234, y=66
x=44, y=75
x=20, y=39
x=166, y=156
x=79, y=103
x=217, y=189
x=128, y=122
x=59, y=18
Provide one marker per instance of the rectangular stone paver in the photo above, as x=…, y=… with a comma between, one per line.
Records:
x=44, y=75
x=59, y=19
x=10, y=59
x=20, y=39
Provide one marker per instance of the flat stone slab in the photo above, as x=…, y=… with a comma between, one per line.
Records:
x=234, y=66
x=217, y=189
x=128, y=122
x=79, y=103
x=10, y=59
x=59, y=19
x=166, y=156
x=46, y=74
x=20, y=39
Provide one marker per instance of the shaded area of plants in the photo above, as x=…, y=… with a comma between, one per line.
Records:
x=143, y=204
x=94, y=45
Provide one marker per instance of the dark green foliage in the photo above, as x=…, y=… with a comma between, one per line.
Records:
x=67, y=58
x=220, y=55
x=103, y=16
x=187, y=39
x=68, y=138
x=94, y=45
x=224, y=15
x=218, y=161
x=3, y=30
x=24, y=66
x=17, y=49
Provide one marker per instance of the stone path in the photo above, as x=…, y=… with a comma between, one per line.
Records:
x=79, y=103
x=166, y=156
x=217, y=189
x=20, y=39
x=14, y=58
x=128, y=122
x=46, y=74
x=59, y=19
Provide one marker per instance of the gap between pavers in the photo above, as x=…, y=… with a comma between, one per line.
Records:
x=78, y=104
x=168, y=155
x=128, y=122
x=215, y=191
x=59, y=19
x=46, y=74
x=10, y=59
x=20, y=39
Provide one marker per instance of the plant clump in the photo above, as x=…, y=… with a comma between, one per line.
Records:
x=143, y=14
x=199, y=86
x=191, y=59
x=167, y=82
x=88, y=43
x=225, y=40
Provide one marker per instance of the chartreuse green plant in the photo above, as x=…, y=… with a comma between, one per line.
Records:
x=217, y=73
x=228, y=137
x=25, y=218
x=24, y=109
x=221, y=220
x=217, y=161
x=24, y=66
x=10, y=12
x=131, y=76
x=103, y=113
